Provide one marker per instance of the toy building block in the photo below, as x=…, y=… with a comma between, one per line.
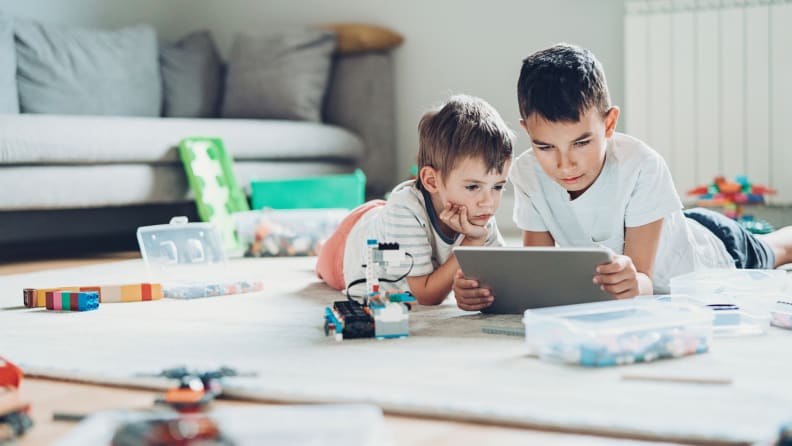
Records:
x=211, y=289
x=136, y=292
x=390, y=321
x=382, y=314
x=14, y=413
x=348, y=320
x=210, y=173
x=731, y=196
x=10, y=375
x=73, y=300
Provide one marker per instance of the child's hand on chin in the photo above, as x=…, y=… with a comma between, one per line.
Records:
x=456, y=217
x=619, y=278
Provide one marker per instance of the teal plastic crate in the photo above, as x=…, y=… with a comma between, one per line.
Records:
x=329, y=191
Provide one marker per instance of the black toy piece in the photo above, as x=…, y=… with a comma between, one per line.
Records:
x=357, y=322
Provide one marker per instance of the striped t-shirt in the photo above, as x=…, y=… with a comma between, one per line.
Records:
x=409, y=219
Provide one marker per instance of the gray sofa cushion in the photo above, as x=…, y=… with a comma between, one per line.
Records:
x=63, y=187
x=84, y=71
x=9, y=102
x=279, y=75
x=191, y=76
x=52, y=139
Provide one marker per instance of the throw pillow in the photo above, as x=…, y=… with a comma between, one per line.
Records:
x=80, y=71
x=9, y=102
x=191, y=76
x=359, y=37
x=279, y=75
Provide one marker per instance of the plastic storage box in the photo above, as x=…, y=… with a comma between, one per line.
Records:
x=781, y=314
x=295, y=232
x=617, y=332
x=180, y=250
x=750, y=283
x=731, y=318
x=331, y=191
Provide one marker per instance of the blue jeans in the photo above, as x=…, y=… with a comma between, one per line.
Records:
x=748, y=251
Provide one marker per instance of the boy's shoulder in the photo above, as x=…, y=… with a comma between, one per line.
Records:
x=406, y=191
x=629, y=149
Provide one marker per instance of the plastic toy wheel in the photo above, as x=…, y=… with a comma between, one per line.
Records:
x=327, y=327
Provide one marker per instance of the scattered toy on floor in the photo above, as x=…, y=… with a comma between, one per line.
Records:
x=14, y=412
x=196, y=388
x=136, y=292
x=732, y=196
x=382, y=314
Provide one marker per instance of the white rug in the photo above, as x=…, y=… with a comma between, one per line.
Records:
x=447, y=368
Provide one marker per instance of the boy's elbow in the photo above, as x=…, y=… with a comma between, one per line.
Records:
x=427, y=299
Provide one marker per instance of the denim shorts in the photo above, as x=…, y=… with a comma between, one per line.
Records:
x=747, y=250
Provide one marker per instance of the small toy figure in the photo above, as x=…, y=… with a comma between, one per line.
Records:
x=731, y=196
x=382, y=314
x=196, y=389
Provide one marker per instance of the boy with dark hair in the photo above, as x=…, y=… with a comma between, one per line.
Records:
x=583, y=184
x=464, y=155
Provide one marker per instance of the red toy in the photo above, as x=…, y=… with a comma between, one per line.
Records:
x=14, y=418
x=731, y=196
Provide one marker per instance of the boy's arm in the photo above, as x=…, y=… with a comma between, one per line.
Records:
x=433, y=288
x=531, y=238
x=630, y=275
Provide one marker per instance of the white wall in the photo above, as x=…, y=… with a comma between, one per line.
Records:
x=451, y=46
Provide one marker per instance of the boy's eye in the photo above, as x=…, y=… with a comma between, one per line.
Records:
x=472, y=187
x=582, y=143
x=499, y=187
x=544, y=147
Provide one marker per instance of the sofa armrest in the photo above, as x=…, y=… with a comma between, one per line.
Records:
x=360, y=97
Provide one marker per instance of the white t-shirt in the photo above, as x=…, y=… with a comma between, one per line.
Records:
x=409, y=219
x=634, y=188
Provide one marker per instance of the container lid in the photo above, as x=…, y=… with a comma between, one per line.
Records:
x=729, y=281
x=620, y=316
x=179, y=250
x=733, y=316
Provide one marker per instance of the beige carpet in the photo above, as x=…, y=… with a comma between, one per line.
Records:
x=448, y=368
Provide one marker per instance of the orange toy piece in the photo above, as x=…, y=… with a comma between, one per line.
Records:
x=10, y=375
x=727, y=187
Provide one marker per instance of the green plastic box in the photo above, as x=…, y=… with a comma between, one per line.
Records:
x=329, y=191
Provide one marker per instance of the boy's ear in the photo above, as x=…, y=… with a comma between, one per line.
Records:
x=429, y=177
x=611, y=119
x=523, y=125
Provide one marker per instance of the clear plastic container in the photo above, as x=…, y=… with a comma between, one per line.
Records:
x=731, y=318
x=761, y=284
x=293, y=232
x=181, y=250
x=781, y=314
x=617, y=332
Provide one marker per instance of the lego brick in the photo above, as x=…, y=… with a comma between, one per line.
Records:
x=33, y=297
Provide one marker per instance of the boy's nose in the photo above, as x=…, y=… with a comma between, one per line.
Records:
x=488, y=199
x=565, y=161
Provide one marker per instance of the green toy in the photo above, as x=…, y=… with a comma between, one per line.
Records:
x=210, y=173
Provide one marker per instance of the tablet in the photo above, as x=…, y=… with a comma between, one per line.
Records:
x=523, y=278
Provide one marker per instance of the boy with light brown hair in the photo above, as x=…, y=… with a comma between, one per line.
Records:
x=465, y=151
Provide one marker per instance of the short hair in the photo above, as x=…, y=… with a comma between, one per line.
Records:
x=561, y=83
x=465, y=126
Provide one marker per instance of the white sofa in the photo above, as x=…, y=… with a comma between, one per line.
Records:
x=69, y=176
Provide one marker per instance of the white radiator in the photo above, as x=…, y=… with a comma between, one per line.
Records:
x=708, y=84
